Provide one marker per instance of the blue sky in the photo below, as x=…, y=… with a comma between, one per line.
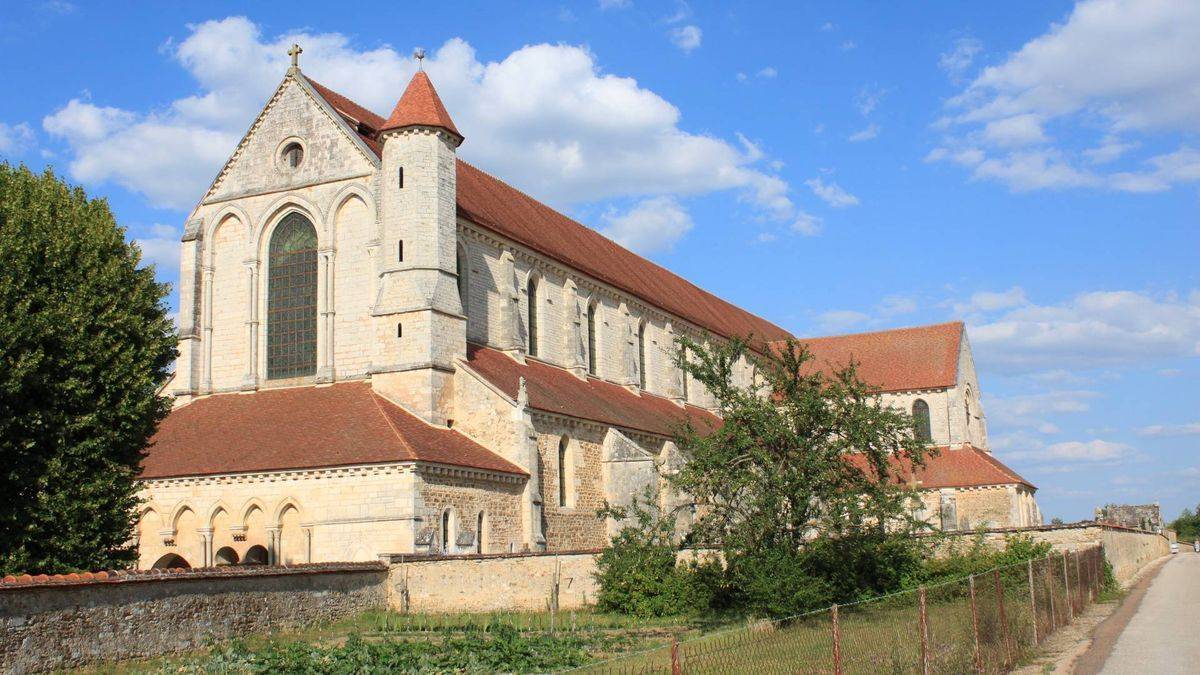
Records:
x=1028, y=167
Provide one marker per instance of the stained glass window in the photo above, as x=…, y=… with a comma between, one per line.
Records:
x=920, y=413
x=292, y=299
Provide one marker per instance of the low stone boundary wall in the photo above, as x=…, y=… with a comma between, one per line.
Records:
x=1127, y=549
x=492, y=582
x=65, y=621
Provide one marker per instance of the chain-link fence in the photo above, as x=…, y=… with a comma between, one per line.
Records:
x=984, y=623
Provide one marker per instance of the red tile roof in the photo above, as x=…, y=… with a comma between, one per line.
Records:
x=303, y=428
x=962, y=466
x=501, y=208
x=552, y=389
x=902, y=359
x=420, y=104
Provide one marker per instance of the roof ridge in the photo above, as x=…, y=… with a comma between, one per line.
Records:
x=375, y=396
x=930, y=326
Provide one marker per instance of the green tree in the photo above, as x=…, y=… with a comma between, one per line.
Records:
x=1187, y=525
x=85, y=344
x=798, y=485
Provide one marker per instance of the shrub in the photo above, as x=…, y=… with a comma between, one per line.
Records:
x=978, y=558
x=638, y=573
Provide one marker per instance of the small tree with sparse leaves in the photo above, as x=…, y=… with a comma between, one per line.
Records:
x=85, y=345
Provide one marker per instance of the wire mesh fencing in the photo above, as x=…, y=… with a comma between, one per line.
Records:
x=985, y=623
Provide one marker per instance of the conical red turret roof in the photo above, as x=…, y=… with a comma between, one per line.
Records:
x=420, y=105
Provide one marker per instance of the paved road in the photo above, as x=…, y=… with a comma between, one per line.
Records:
x=1164, y=635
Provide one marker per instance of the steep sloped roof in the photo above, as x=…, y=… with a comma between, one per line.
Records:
x=960, y=466
x=501, y=208
x=303, y=428
x=552, y=389
x=902, y=359
x=420, y=105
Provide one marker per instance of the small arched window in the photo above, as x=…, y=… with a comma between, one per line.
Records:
x=591, y=338
x=683, y=378
x=463, y=281
x=480, y=533
x=447, y=530
x=531, y=291
x=642, y=355
x=967, y=405
x=293, y=155
x=564, y=471
x=292, y=299
x=920, y=413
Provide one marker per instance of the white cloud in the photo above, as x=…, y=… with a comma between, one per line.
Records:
x=15, y=138
x=1092, y=330
x=865, y=134
x=958, y=60
x=767, y=73
x=1192, y=429
x=1030, y=411
x=544, y=117
x=895, y=305
x=1121, y=67
x=686, y=37
x=990, y=301
x=840, y=320
x=868, y=98
x=652, y=225
x=1095, y=450
x=831, y=193
x=1016, y=130
x=827, y=26
x=160, y=247
x=848, y=45
x=807, y=224
x=615, y=4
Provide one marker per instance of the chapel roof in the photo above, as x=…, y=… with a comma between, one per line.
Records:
x=901, y=359
x=343, y=424
x=494, y=205
x=420, y=105
x=555, y=390
x=957, y=466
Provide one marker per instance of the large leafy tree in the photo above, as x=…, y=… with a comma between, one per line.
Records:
x=801, y=478
x=85, y=344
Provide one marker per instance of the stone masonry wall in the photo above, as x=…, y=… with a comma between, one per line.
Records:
x=45, y=626
x=489, y=583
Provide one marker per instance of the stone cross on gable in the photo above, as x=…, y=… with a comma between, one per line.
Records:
x=295, y=53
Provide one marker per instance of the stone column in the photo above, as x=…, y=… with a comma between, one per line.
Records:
x=207, y=385
x=250, y=380
x=273, y=550
x=206, y=539
x=325, y=367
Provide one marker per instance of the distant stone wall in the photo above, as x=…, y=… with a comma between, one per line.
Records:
x=63, y=622
x=1128, y=550
x=487, y=583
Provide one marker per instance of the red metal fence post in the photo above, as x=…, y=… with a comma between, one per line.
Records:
x=837, y=641
x=1067, y=590
x=1003, y=616
x=923, y=625
x=975, y=623
x=1032, y=601
x=676, y=667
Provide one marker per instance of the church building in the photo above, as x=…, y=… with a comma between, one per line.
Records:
x=385, y=350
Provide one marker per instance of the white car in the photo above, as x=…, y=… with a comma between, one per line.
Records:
x=1174, y=547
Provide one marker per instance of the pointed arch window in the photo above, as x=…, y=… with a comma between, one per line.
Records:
x=292, y=299
x=641, y=337
x=564, y=471
x=591, y=338
x=463, y=280
x=920, y=413
x=531, y=290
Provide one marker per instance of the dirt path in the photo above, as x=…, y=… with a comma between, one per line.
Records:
x=1154, y=629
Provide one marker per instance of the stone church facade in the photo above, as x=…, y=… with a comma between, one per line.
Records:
x=385, y=350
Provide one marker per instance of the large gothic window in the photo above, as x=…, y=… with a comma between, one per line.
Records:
x=591, y=338
x=531, y=291
x=642, y=355
x=920, y=413
x=292, y=299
